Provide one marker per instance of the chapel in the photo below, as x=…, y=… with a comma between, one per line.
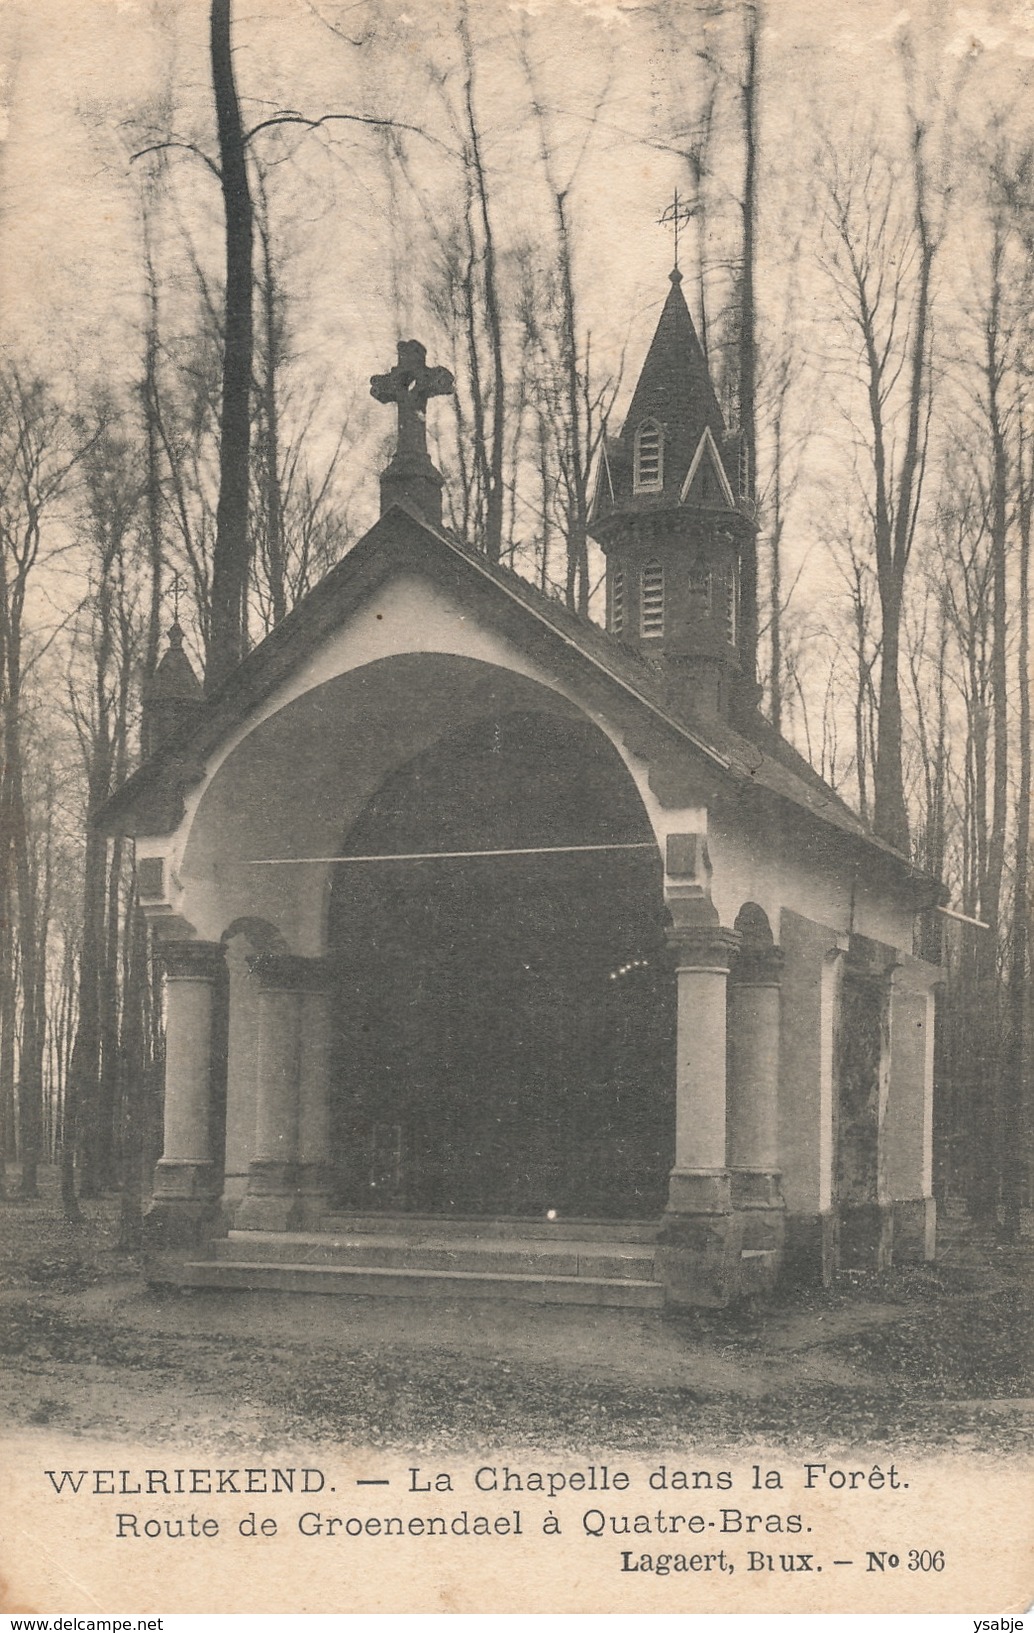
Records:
x=509, y=956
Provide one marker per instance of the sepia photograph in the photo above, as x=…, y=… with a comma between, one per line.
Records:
x=515, y=863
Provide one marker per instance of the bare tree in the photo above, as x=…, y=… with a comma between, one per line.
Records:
x=226, y=637
x=748, y=363
x=106, y=645
x=463, y=291
x=231, y=555
x=879, y=255
x=299, y=507
x=491, y=443
x=38, y=453
x=571, y=393
x=1016, y=1056
x=780, y=454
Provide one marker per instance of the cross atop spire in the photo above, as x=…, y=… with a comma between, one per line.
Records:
x=679, y=211
x=177, y=585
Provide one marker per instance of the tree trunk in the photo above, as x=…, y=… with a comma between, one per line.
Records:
x=8, y=997
x=999, y=526
x=149, y=389
x=1017, y=1062
x=578, y=464
x=231, y=556
x=748, y=343
x=30, y=1073
x=775, y=587
x=134, y=1059
x=82, y=1096
x=890, y=818
x=274, y=504
x=493, y=314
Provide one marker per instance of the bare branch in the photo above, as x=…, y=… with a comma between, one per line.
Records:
x=187, y=147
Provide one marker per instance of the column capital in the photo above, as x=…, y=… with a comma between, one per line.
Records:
x=702, y=946
x=758, y=966
x=191, y=960
x=290, y=972
x=916, y=977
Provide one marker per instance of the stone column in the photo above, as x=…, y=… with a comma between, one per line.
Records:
x=185, y=1180
x=699, y=1239
x=241, y=1073
x=754, y=1017
x=314, y=1163
x=754, y=1020
x=273, y=1199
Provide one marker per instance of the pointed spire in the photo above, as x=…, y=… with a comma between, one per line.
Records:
x=171, y=696
x=675, y=389
x=673, y=528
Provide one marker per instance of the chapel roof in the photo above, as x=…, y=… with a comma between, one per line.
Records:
x=748, y=756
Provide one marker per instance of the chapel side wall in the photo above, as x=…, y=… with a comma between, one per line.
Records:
x=786, y=866
x=907, y=1133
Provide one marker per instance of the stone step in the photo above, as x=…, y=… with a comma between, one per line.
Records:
x=609, y=1260
x=363, y=1281
x=417, y=1226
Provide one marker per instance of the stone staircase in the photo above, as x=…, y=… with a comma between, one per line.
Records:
x=409, y=1256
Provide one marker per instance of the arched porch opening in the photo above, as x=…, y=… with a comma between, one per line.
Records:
x=503, y=1024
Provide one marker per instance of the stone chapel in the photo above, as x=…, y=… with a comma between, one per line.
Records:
x=507, y=956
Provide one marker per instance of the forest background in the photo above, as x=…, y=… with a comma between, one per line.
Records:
x=215, y=223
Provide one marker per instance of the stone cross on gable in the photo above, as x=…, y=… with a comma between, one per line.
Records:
x=410, y=385
x=410, y=479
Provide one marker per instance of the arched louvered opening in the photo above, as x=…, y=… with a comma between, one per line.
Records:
x=730, y=592
x=649, y=458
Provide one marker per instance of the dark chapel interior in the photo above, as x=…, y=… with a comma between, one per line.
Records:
x=504, y=1039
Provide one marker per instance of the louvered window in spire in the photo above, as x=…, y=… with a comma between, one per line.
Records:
x=617, y=601
x=730, y=605
x=651, y=600
x=649, y=458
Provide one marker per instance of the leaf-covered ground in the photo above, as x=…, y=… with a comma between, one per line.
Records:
x=933, y=1357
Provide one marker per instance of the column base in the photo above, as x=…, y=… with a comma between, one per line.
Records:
x=314, y=1187
x=915, y=1229
x=272, y=1202
x=235, y=1189
x=279, y=1213
x=756, y=1188
x=701, y=1191
x=176, y=1181
x=698, y=1258
x=810, y=1251
x=757, y=1197
x=184, y=1208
